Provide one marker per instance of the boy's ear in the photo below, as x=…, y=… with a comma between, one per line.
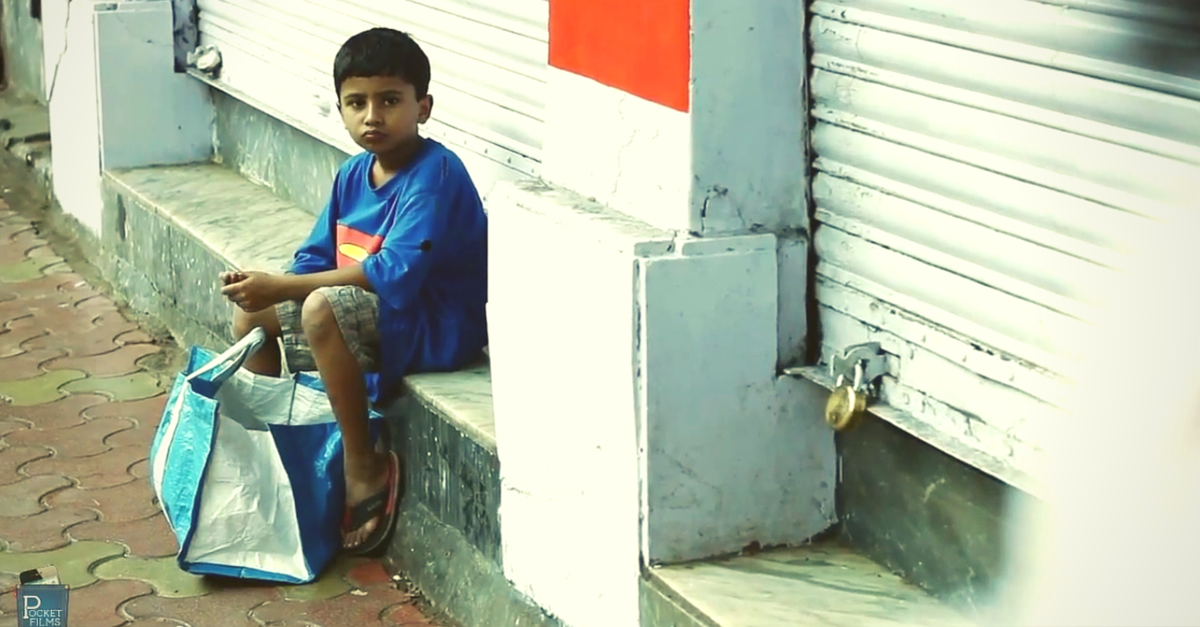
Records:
x=426, y=109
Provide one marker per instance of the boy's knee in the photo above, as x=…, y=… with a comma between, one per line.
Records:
x=317, y=318
x=243, y=323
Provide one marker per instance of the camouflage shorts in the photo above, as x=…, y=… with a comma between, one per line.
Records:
x=357, y=313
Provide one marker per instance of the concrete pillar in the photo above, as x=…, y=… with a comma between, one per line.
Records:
x=644, y=301
x=115, y=100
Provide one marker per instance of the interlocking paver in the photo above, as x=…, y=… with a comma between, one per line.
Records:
x=140, y=469
x=98, y=605
x=74, y=561
x=14, y=456
x=62, y=414
x=347, y=609
x=44, y=531
x=43, y=314
x=122, y=361
x=332, y=582
x=56, y=268
x=39, y=248
x=101, y=338
x=105, y=470
x=69, y=287
x=122, y=503
x=9, y=230
x=12, y=340
x=84, y=440
x=10, y=425
x=227, y=606
x=147, y=412
x=27, y=269
x=130, y=387
x=24, y=498
x=39, y=390
x=140, y=437
x=97, y=305
x=148, y=537
x=162, y=573
x=137, y=336
x=28, y=364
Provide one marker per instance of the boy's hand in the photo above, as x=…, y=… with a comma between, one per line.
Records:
x=235, y=276
x=252, y=291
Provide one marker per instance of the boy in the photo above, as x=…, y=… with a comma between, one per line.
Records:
x=393, y=278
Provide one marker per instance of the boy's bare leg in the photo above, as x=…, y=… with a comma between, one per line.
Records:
x=267, y=361
x=366, y=470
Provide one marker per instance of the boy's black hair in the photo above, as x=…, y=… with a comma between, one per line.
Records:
x=382, y=52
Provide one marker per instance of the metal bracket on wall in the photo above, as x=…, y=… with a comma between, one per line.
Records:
x=869, y=356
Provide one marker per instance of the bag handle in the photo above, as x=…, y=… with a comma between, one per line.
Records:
x=228, y=362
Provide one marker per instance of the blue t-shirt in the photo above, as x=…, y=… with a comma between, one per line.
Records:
x=422, y=241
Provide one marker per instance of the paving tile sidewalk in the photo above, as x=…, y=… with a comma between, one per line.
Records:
x=77, y=414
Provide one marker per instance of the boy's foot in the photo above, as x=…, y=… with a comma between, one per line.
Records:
x=371, y=506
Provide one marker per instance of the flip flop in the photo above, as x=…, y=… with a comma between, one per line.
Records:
x=383, y=505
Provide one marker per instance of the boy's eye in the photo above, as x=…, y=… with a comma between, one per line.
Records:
x=392, y=101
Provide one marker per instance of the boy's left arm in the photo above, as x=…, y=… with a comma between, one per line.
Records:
x=397, y=272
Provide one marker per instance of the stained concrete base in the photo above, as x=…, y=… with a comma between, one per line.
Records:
x=459, y=581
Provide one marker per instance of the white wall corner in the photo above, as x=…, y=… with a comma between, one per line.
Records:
x=149, y=114
x=628, y=153
x=748, y=127
x=561, y=319
x=730, y=457
x=70, y=56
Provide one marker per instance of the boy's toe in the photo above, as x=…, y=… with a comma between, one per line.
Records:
x=360, y=535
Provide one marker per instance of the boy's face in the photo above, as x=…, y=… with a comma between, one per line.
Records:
x=382, y=112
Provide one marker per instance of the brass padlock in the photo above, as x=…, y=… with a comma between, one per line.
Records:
x=847, y=403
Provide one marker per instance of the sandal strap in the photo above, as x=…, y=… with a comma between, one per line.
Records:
x=369, y=509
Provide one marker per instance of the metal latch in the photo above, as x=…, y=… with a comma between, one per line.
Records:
x=855, y=372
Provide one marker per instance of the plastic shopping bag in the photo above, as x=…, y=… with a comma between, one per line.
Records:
x=248, y=469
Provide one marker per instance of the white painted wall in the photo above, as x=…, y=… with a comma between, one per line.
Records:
x=638, y=412
x=748, y=157
x=114, y=98
x=626, y=152
x=69, y=37
x=149, y=115
x=561, y=316
x=729, y=458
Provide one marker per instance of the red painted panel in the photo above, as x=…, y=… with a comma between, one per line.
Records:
x=642, y=47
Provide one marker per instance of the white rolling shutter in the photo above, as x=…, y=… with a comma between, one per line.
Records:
x=489, y=63
x=981, y=169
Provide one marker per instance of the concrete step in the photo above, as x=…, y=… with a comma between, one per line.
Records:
x=823, y=585
x=169, y=231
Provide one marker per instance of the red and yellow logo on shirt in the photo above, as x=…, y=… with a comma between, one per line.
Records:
x=354, y=246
